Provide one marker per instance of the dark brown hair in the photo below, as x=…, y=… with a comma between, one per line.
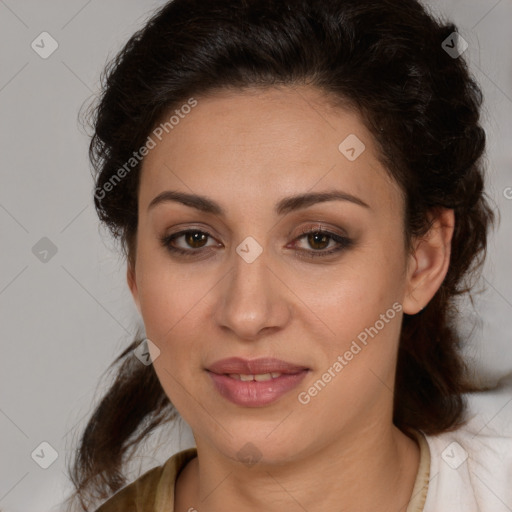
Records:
x=382, y=57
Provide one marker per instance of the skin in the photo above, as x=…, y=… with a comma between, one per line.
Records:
x=247, y=150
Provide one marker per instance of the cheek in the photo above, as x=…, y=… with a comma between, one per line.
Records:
x=363, y=284
x=359, y=301
x=171, y=315
x=168, y=293
x=171, y=306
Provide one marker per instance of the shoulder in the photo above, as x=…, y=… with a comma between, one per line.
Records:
x=132, y=497
x=153, y=491
x=471, y=467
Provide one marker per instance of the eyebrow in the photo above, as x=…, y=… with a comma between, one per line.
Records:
x=285, y=205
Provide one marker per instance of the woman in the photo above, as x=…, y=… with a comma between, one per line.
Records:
x=298, y=190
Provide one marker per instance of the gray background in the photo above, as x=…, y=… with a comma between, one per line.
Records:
x=65, y=319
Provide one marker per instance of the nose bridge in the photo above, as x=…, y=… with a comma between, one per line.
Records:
x=252, y=300
x=250, y=267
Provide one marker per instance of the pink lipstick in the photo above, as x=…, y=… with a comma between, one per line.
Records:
x=256, y=382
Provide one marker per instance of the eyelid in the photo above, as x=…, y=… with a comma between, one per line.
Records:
x=319, y=226
x=166, y=240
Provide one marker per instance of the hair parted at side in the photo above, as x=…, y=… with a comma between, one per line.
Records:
x=381, y=57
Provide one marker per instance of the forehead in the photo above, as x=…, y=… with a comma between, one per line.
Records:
x=266, y=144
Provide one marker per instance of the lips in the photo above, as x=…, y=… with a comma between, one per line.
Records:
x=237, y=365
x=257, y=382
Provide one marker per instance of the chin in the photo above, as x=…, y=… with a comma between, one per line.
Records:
x=256, y=447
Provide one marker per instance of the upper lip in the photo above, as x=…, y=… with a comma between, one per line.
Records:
x=262, y=365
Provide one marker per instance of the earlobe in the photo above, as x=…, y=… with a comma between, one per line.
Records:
x=429, y=262
x=132, y=285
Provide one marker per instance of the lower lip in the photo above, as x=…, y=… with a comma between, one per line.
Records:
x=253, y=393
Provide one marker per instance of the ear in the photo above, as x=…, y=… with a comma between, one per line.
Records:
x=429, y=261
x=132, y=284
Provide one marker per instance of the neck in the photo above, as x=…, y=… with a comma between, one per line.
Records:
x=373, y=469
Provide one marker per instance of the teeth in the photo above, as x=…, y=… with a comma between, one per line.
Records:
x=259, y=378
x=262, y=377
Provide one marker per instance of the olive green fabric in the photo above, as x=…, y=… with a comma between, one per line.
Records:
x=153, y=491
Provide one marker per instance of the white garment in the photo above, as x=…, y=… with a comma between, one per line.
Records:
x=471, y=468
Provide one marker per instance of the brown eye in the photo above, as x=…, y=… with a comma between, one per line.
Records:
x=195, y=239
x=318, y=240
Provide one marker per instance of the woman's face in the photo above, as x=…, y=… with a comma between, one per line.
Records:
x=251, y=285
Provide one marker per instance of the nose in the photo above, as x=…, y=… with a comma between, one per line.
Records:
x=253, y=301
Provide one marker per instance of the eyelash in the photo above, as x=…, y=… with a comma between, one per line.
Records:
x=344, y=243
